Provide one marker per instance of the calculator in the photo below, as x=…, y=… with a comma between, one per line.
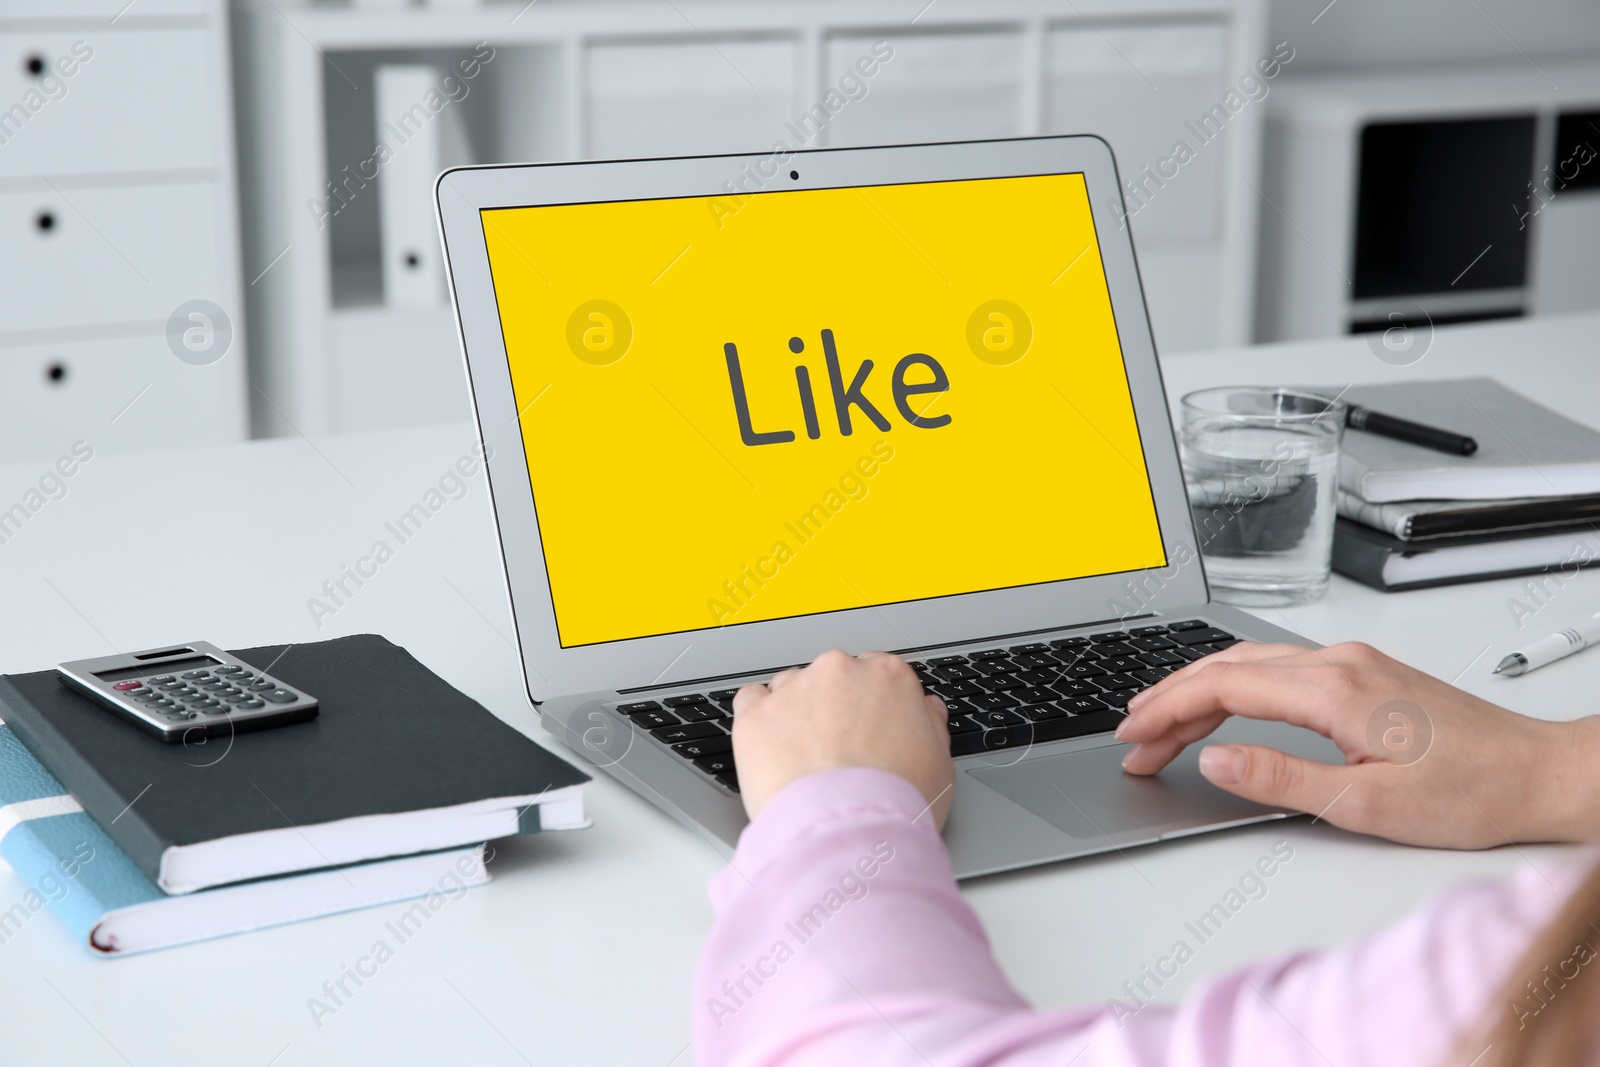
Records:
x=183, y=689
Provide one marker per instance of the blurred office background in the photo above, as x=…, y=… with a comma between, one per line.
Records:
x=216, y=221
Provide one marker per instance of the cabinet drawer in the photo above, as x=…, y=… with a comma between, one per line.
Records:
x=60, y=393
x=134, y=100
x=86, y=256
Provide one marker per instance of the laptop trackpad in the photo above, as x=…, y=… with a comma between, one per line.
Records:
x=1087, y=794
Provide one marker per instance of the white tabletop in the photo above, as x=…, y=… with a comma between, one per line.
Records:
x=582, y=950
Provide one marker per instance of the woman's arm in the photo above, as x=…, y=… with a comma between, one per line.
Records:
x=841, y=937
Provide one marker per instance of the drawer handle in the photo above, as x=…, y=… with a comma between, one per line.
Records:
x=45, y=220
x=34, y=64
x=56, y=372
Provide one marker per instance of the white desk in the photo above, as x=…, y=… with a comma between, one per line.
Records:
x=582, y=949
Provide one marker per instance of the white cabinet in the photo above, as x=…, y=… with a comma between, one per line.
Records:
x=117, y=209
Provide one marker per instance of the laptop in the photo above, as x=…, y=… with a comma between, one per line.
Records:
x=739, y=410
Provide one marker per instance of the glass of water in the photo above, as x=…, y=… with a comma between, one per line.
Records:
x=1262, y=467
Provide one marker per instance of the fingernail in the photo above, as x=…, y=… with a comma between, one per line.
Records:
x=1129, y=757
x=1139, y=698
x=1122, y=726
x=1223, y=764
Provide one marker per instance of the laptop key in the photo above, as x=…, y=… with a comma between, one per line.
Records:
x=962, y=673
x=989, y=654
x=1161, y=659
x=638, y=706
x=1040, y=677
x=1023, y=650
x=729, y=780
x=1000, y=683
x=956, y=689
x=998, y=718
x=1153, y=675
x=651, y=720
x=1118, y=681
x=1030, y=661
x=1118, y=698
x=699, y=712
x=1043, y=712
x=1147, y=631
x=1070, y=642
x=960, y=724
x=1152, y=644
x=711, y=746
x=1188, y=624
x=690, y=731
x=1218, y=646
x=685, y=698
x=947, y=661
x=1084, y=670
x=965, y=744
x=1074, y=688
x=1121, y=664
x=993, y=701
x=1035, y=695
x=1191, y=654
x=1085, y=705
x=1110, y=635
x=1202, y=637
x=719, y=764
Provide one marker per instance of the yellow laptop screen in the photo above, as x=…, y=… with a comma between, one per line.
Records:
x=802, y=401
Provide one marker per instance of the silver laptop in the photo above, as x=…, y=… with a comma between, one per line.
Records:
x=743, y=409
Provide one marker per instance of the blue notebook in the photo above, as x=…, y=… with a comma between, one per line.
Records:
x=71, y=867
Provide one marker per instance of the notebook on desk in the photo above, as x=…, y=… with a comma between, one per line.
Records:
x=1524, y=448
x=398, y=762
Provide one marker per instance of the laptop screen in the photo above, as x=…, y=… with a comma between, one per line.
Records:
x=744, y=408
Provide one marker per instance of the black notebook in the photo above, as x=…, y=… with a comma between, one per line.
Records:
x=398, y=762
x=1388, y=563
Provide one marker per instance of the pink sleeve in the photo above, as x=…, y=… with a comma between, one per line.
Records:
x=841, y=938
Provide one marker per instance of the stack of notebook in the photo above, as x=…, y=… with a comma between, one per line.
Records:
x=1527, y=502
x=390, y=793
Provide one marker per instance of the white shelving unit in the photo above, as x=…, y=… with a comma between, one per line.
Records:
x=573, y=79
x=1309, y=276
x=117, y=206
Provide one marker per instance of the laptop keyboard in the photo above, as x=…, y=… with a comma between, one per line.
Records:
x=1007, y=697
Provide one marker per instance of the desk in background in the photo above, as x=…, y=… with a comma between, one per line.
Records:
x=583, y=948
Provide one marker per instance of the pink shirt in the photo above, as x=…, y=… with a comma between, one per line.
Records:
x=841, y=939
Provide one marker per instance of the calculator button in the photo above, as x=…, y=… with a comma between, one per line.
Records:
x=191, y=675
x=206, y=703
x=169, y=684
x=261, y=686
x=144, y=695
x=211, y=685
x=280, y=696
x=161, y=678
x=229, y=669
x=236, y=698
x=123, y=687
x=244, y=678
x=220, y=709
x=250, y=704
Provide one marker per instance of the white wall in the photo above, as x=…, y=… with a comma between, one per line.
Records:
x=1353, y=34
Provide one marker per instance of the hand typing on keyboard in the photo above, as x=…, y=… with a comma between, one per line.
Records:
x=842, y=711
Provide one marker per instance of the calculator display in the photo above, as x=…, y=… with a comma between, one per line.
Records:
x=156, y=668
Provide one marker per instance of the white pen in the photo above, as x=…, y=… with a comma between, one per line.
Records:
x=1549, y=649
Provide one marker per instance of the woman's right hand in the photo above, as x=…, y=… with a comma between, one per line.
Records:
x=1425, y=763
